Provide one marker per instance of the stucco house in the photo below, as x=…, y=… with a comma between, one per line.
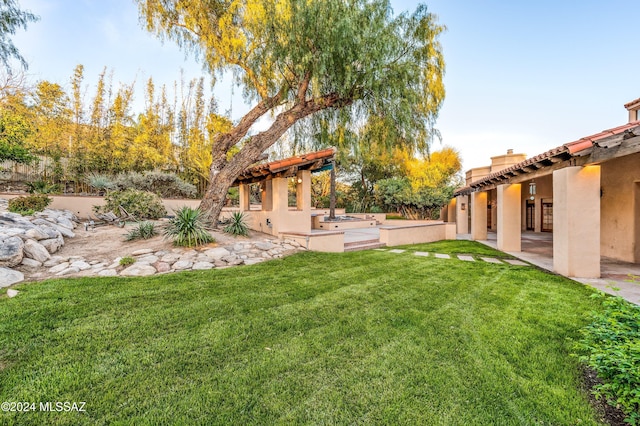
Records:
x=585, y=192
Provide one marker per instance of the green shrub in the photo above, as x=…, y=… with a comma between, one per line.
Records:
x=187, y=228
x=166, y=185
x=127, y=260
x=29, y=204
x=237, y=224
x=139, y=204
x=611, y=347
x=143, y=230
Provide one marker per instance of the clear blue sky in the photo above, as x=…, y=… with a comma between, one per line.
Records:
x=527, y=75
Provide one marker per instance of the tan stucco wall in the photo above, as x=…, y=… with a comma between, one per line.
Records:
x=478, y=173
x=619, y=182
x=501, y=162
x=82, y=206
x=328, y=242
x=416, y=234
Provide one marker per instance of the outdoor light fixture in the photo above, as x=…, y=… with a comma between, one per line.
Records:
x=463, y=206
x=299, y=180
x=532, y=188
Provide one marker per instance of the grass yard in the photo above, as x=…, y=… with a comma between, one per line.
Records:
x=356, y=338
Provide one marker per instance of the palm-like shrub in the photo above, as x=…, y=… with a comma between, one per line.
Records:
x=144, y=230
x=187, y=228
x=237, y=224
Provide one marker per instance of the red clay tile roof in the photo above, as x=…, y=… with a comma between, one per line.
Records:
x=562, y=152
x=287, y=167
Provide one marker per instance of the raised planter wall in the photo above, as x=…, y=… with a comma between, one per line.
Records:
x=416, y=234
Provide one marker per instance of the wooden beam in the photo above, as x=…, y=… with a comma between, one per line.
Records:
x=627, y=147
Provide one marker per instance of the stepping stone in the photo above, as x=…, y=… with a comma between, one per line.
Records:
x=380, y=249
x=516, y=262
x=396, y=251
x=421, y=253
x=466, y=258
x=442, y=256
x=12, y=293
x=492, y=260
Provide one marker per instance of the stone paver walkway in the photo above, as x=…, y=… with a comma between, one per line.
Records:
x=463, y=257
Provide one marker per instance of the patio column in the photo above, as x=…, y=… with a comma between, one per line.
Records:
x=451, y=211
x=244, y=197
x=576, y=221
x=509, y=206
x=462, y=214
x=479, y=215
x=303, y=190
x=267, y=195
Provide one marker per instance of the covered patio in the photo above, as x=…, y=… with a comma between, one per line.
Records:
x=615, y=275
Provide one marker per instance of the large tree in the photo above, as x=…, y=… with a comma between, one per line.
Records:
x=345, y=59
x=12, y=18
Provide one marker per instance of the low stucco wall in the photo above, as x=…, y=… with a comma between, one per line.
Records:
x=416, y=234
x=328, y=242
x=82, y=206
x=336, y=226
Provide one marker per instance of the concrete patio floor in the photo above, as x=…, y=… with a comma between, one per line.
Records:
x=537, y=249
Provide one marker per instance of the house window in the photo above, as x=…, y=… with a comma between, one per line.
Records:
x=638, y=114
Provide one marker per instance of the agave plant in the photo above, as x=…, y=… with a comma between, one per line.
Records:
x=237, y=224
x=187, y=228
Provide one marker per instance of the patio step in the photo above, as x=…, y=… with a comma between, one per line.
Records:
x=363, y=245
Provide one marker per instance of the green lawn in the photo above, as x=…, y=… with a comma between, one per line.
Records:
x=356, y=338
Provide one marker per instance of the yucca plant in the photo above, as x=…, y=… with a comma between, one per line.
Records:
x=187, y=228
x=144, y=230
x=237, y=224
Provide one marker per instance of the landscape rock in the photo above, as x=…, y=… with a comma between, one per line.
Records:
x=148, y=259
x=170, y=257
x=69, y=270
x=182, y=264
x=55, y=260
x=253, y=261
x=9, y=277
x=162, y=266
x=108, y=273
x=80, y=264
x=12, y=293
x=63, y=221
x=138, y=270
x=38, y=233
x=141, y=252
x=11, y=251
x=30, y=263
x=264, y=245
x=202, y=266
x=36, y=251
x=217, y=253
x=59, y=267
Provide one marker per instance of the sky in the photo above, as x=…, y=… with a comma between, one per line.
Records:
x=521, y=75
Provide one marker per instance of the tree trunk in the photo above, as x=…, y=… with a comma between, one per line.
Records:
x=223, y=173
x=332, y=196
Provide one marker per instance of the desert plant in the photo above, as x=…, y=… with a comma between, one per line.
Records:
x=237, y=224
x=143, y=230
x=187, y=228
x=139, y=204
x=29, y=204
x=100, y=182
x=127, y=260
x=43, y=187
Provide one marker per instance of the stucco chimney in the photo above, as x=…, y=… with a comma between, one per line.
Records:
x=634, y=110
x=510, y=151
